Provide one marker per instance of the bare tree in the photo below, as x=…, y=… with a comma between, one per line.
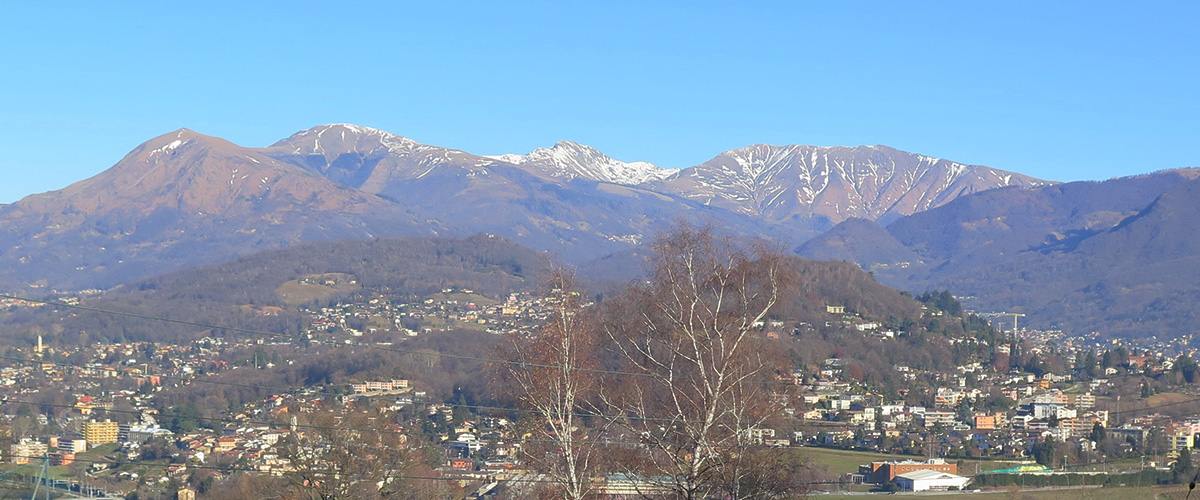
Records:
x=348, y=454
x=697, y=379
x=551, y=374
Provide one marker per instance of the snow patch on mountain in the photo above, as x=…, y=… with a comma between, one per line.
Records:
x=568, y=160
x=838, y=182
x=345, y=137
x=169, y=147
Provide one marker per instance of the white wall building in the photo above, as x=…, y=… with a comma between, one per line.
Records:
x=925, y=480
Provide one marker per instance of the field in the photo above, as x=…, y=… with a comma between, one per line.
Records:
x=1146, y=493
x=839, y=462
x=316, y=287
x=463, y=298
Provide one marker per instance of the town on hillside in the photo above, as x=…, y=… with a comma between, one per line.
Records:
x=1043, y=410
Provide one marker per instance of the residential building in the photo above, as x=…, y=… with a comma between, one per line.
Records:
x=939, y=417
x=985, y=422
x=71, y=446
x=98, y=433
x=27, y=450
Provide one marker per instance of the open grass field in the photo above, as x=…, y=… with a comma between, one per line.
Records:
x=463, y=298
x=1168, y=398
x=838, y=462
x=104, y=452
x=313, y=287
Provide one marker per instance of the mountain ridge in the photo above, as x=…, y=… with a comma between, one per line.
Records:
x=571, y=160
x=1113, y=257
x=184, y=198
x=780, y=182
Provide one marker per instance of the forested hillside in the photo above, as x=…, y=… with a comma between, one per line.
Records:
x=245, y=293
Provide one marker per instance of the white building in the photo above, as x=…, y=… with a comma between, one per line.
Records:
x=27, y=450
x=72, y=445
x=925, y=480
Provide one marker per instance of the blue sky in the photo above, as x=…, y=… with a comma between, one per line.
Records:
x=1058, y=90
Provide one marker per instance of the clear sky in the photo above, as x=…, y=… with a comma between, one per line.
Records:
x=1057, y=90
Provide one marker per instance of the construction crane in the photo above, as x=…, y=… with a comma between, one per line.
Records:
x=1014, y=317
x=995, y=315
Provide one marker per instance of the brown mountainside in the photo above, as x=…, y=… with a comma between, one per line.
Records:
x=1118, y=257
x=184, y=199
x=179, y=200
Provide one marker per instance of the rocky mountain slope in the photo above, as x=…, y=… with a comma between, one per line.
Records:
x=545, y=202
x=568, y=160
x=781, y=183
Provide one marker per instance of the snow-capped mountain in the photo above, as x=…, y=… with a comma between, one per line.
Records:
x=369, y=159
x=871, y=182
x=568, y=160
x=528, y=198
x=185, y=198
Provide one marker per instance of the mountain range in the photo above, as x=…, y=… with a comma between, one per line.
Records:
x=1117, y=257
x=184, y=199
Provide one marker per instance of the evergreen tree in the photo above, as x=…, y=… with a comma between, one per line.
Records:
x=1043, y=452
x=1183, y=469
x=1099, y=434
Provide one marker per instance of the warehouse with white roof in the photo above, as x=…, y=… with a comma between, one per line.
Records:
x=926, y=480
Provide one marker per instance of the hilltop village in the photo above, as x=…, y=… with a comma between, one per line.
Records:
x=133, y=417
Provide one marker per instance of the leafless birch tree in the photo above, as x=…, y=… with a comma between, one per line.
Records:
x=550, y=374
x=697, y=387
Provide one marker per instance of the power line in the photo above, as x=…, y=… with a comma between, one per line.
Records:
x=1156, y=407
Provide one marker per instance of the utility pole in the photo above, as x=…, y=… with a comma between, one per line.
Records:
x=43, y=477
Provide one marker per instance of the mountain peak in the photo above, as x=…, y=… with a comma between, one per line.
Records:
x=174, y=142
x=569, y=160
x=345, y=137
